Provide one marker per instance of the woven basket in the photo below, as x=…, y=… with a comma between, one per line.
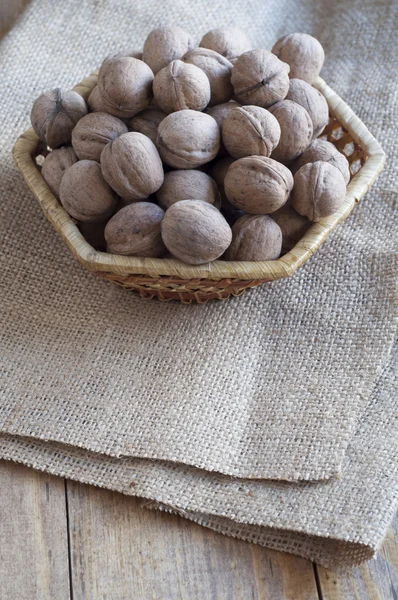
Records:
x=169, y=279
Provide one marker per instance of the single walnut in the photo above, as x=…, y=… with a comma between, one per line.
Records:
x=96, y=103
x=250, y=130
x=323, y=150
x=259, y=78
x=147, y=122
x=187, y=139
x=84, y=193
x=135, y=231
x=54, y=166
x=258, y=185
x=296, y=130
x=319, y=190
x=220, y=113
x=293, y=225
x=93, y=232
x=132, y=167
x=186, y=184
x=313, y=101
x=125, y=85
x=164, y=45
x=195, y=232
x=217, y=68
x=93, y=132
x=54, y=115
x=254, y=238
x=179, y=86
x=303, y=53
x=227, y=41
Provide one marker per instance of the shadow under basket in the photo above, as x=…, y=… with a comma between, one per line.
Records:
x=169, y=279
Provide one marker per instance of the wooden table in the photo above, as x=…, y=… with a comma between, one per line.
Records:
x=63, y=540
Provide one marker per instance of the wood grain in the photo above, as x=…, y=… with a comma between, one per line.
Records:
x=33, y=535
x=121, y=550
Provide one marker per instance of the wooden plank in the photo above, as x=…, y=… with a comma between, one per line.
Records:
x=122, y=550
x=33, y=535
x=375, y=580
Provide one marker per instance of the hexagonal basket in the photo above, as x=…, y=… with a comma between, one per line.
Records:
x=169, y=279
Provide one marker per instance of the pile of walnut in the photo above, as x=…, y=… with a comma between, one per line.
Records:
x=183, y=152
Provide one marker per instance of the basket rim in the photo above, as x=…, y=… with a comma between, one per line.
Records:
x=24, y=151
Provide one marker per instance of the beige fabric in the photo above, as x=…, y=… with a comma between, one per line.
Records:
x=270, y=385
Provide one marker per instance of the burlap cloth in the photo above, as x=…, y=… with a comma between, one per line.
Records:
x=268, y=386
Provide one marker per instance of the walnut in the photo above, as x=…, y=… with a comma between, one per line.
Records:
x=93, y=232
x=303, y=53
x=93, y=132
x=179, y=86
x=54, y=115
x=84, y=193
x=254, y=238
x=250, y=130
x=217, y=68
x=293, y=225
x=323, y=150
x=131, y=165
x=259, y=78
x=258, y=185
x=96, y=103
x=296, y=130
x=55, y=165
x=218, y=172
x=313, y=101
x=125, y=85
x=187, y=139
x=187, y=184
x=195, y=232
x=319, y=190
x=135, y=231
x=164, y=45
x=220, y=113
x=147, y=122
x=227, y=41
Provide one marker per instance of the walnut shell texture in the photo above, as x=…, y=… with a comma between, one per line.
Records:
x=132, y=167
x=259, y=79
x=54, y=166
x=135, y=231
x=220, y=113
x=326, y=151
x=195, y=232
x=296, y=130
x=230, y=42
x=93, y=132
x=164, y=45
x=188, y=139
x=258, y=185
x=185, y=184
x=180, y=86
x=250, y=130
x=303, y=53
x=255, y=238
x=313, y=101
x=125, y=84
x=319, y=190
x=84, y=193
x=217, y=68
x=147, y=122
x=54, y=115
x=293, y=225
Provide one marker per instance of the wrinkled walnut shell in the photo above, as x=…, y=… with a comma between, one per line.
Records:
x=164, y=45
x=179, y=86
x=313, y=101
x=84, y=193
x=250, y=130
x=319, y=190
x=186, y=184
x=230, y=42
x=54, y=166
x=220, y=113
x=187, y=139
x=296, y=130
x=218, y=70
x=93, y=132
x=135, y=231
x=131, y=165
x=258, y=185
x=260, y=78
x=254, y=238
x=147, y=122
x=303, y=53
x=326, y=151
x=195, y=232
x=293, y=225
x=54, y=115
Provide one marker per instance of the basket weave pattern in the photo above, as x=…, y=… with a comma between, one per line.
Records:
x=169, y=279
